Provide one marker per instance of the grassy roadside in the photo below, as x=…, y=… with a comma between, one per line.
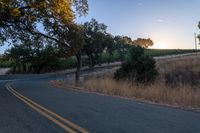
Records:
x=178, y=84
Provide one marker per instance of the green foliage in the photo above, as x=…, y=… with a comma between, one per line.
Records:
x=106, y=57
x=30, y=57
x=52, y=49
x=4, y=63
x=22, y=17
x=67, y=63
x=45, y=60
x=122, y=45
x=163, y=52
x=96, y=41
x=137, y=67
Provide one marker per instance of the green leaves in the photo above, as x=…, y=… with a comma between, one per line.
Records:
x=96, y=38
x=43, y=22
x=137, y=67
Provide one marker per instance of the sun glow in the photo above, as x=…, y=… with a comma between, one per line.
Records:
x=159, y=46
x=162, y=41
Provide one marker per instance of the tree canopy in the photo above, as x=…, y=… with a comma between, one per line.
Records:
x=142, y=42
x=95, y=37
x=35, y=9
x=48, y=20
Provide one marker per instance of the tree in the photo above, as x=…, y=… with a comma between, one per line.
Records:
x=49, y=19
x=109, y=44
x=122, y=44
x=127, y=40
x=137, y=67
x=142, y=42
x=33, y=57
x=19, y=54
x=36, y=9
x=76, y=38
x=94, y=35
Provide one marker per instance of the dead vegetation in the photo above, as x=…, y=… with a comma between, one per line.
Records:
x=177, y=84
x=157, y=92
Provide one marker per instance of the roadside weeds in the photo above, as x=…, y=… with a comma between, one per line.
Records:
x=67, y=87
x=177, y=90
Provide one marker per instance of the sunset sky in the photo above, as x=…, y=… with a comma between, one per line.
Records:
x=169, y=23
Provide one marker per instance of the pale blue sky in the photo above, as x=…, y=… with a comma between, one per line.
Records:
x=169, y=23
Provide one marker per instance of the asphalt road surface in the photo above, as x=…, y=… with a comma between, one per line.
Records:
x=32, y=106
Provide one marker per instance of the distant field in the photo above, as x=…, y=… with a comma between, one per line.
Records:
x=163, y=52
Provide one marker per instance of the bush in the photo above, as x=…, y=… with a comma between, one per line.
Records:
x=4, y=62
x=67, y=63
x=137, y=67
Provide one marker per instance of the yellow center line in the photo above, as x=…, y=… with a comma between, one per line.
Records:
x=37, y=107
x=44, y=114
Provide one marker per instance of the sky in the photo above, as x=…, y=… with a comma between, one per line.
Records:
x=171, y=24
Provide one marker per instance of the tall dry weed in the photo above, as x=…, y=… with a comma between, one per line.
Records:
x=181, y=87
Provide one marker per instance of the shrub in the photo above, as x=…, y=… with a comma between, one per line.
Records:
x=137, y=67
x=67, y=63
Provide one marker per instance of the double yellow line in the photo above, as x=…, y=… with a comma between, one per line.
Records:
x=65, y=124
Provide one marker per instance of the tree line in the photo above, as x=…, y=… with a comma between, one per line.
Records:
x=42, y=31
x=92, y=40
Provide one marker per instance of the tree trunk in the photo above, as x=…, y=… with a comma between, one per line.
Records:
x=91, y=61
x=78, y=67
x=99, y=57
x=24, y=68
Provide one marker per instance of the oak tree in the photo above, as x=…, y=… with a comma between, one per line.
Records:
x=142, y=42
x=52, y=21
x=94, y=36
x=45, y=18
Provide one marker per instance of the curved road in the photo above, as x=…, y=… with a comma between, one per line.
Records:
x=32, y=106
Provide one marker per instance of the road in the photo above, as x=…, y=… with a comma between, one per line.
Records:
x=32, y=106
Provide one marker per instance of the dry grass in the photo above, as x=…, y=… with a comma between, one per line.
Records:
x=183, y=71
x=158, y=92
x=177, y=84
